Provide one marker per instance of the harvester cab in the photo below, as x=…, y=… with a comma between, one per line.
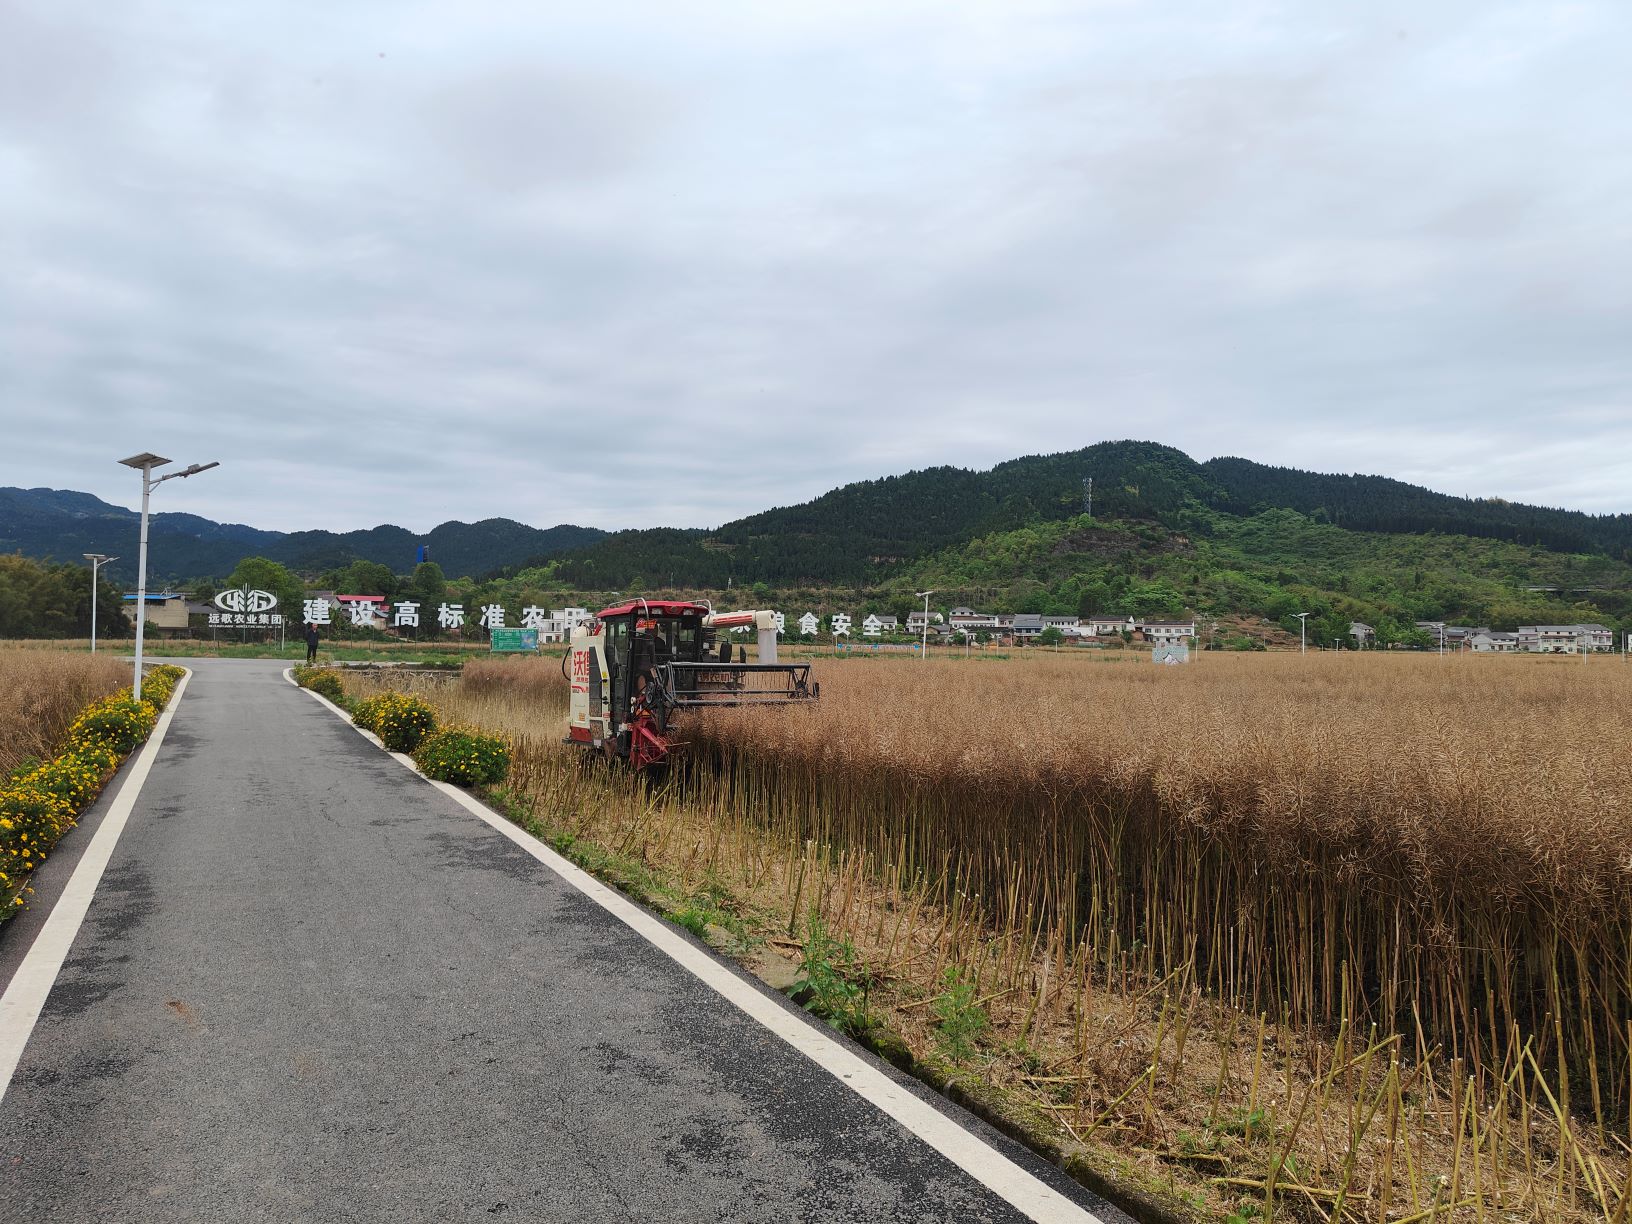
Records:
x=636, y=665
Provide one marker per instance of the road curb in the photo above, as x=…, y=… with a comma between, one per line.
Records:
x=977, y=1157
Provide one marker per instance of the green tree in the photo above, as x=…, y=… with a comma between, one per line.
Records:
x=363, y=578
x=1050, y=636
x=262, y=574
x=428, y=588
x=54, y=601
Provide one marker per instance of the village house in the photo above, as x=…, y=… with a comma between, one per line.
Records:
x=889, y=624
x=1564, y=639
x=1363, y=634
x=1168, y=633
x=1494, y=643
x=1025, y=625
x=1062, y=622
x=1454, y=635
x=570, y=618
x=1108, y=626
x=165, y=610
x=968, y=618
x=915, y=621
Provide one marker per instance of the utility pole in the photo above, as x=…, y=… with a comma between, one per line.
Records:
x=923, y=651
x=1088, y=496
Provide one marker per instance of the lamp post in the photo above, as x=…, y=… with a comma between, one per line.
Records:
x=97, y=560
x=145, y=463
x=923, y=650
x=1303, y=637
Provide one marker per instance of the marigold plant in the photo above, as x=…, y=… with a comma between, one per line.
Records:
x=119, y=723
x=399, y=720
x=323, y=681
x=463, y=757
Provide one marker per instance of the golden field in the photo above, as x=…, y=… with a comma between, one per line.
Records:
x=43, y=691
x=1358, y=924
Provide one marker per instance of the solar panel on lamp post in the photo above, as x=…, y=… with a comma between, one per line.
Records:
x=97, y=560
x=145, y=463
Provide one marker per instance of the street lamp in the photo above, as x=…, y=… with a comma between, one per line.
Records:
x=97, y=560
x=145, y=463
x=1303, y=638
x=923, y=650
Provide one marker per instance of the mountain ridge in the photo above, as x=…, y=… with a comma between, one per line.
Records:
x=63, y=524
x=858, y=533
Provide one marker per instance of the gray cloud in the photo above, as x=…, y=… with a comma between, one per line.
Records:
x=670, y=264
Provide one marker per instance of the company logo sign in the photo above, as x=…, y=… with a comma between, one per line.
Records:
x=246, y=609
x=246, y=601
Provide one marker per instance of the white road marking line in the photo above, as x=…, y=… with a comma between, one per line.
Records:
x=26, y=995
x=1020, y=1189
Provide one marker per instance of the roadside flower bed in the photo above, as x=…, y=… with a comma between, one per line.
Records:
x=41, y=802
x=461, y=755
x=323, y=681
x=399, y=720
x=464, y=757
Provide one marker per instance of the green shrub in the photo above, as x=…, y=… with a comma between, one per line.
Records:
x=463, y=757
x=117, y=723
x=31, y=821
x=159, y=683
x=399, y=720
x=324, y=682
x=366, y=713
x=960, y=1018
x=76, y=777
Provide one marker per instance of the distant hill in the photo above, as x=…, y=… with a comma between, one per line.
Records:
x=867, y=531
x=857, y=535
x=62, y=524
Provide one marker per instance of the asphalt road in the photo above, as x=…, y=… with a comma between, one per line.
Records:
x=311, y=986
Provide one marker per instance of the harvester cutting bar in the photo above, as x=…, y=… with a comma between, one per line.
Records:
x=692, y=685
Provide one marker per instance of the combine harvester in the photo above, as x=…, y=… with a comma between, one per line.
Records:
x=636, y=665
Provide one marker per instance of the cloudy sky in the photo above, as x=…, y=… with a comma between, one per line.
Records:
x=626, y=264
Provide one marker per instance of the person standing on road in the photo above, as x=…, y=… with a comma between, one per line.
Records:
x=311, y=642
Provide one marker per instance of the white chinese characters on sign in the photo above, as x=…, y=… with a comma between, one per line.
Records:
x=779, y=622
x=451, y=616
x=492, y=616
x=315, y=611
x=810, y=623
x=362, y=612
x=872, y=626
x=533, y=617
x=841, y=624
x=407, y=615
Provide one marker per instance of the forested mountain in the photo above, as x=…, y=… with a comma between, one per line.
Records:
x=61, y=524
x=867, y=531
x=1376, y=503
x=862, y=534
x=1271, y=565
